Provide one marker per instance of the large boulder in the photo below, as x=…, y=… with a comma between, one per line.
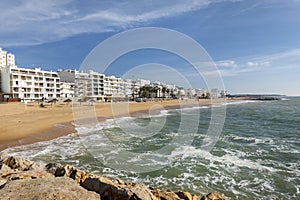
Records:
x=56, y=169
x=2, y=156
x=69, y=171
x=4, y=168
x=60, y=188
x=166, y=195
x=15, y=162
x=213, y=196
x=187, y=196
x=117, y=190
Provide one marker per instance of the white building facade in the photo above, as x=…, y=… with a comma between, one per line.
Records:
x=30, y=84
x=97, y=86
x=6, y=59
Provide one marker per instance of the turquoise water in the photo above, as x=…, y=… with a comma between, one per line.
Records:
x=256, y=157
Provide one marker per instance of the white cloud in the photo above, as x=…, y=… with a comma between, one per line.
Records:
x=282, y=60
x=226, y=63
x=35, y=22
x=252, y=64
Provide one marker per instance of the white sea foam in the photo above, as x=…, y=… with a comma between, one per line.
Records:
x=254, y=140
x=228, y=102
x=190, y=108
x=284, y=99
x=229, y=160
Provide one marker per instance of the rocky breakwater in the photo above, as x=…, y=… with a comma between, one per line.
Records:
x=23, y=179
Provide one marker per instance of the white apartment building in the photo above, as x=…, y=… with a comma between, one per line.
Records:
x=132, y=87
x=114, y=87
x=66, y=90
x=30, y=84
x=83, y=85
x=3, y=60
x=6, y=59
x=10, y=59
x=191, y=93
x=128, y=88
x=97, y=86
x=201, y=93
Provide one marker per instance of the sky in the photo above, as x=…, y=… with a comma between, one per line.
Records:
x=255, y=44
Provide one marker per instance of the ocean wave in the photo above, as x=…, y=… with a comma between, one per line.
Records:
x=227, y=159
x=254, y=140
x=239, y=102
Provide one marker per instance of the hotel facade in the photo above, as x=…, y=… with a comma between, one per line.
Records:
x=91, y=85
x=30, y=84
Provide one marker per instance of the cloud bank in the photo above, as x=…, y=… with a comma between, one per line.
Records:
x=33, y=22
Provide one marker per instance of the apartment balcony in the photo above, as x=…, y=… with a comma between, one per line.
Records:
x=49, y=80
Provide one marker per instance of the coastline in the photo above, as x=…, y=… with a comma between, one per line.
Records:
x=26, y=124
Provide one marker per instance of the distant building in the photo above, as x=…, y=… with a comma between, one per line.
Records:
x=128, y=86
x=113, y=87
x=6, y=59
x=97, y=86
x=215, y=93
x=201, y=93
x=223, y=93
x=191, y=93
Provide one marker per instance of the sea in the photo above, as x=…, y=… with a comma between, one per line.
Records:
x=255, y=155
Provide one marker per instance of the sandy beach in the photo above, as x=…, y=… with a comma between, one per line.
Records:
x=24, y=124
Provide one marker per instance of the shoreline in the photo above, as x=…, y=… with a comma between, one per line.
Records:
x=34, y=124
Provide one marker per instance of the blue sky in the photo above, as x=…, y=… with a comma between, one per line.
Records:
x=255, y=44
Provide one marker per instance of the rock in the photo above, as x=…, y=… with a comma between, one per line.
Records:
x=38, y=166
x=56, y=169
x=47, y=188
x=4, y=168
x=166, y=195
x=78, y=175
x=69, y=171
x=116, y=190
x=2, y=182
x=17, y=163
x=26, y=175
x=213, y=196
x=2, y=156
x=187, y=196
